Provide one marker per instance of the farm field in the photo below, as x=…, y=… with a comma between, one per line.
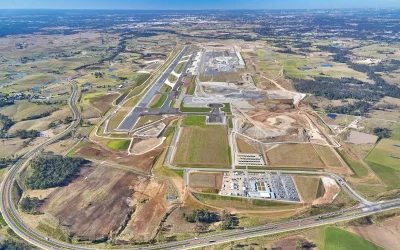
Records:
x=202, y=146
x=23, y=110
x=387, y=153
x=339, y=239
x=42, y=123
x=294, y=156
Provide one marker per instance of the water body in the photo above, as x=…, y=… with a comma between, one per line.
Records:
x=332, y=116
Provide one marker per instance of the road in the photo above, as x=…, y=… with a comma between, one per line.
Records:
x=7, y=208
x=130, y=120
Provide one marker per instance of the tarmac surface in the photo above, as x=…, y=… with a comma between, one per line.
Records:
x=130, y=120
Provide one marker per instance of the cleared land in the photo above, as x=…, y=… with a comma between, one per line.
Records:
x=295, y=155
x=328, y=156
x=96, y=202
x=338, y=239
x=143, y=162
x=244, y=146
x=205, y=180
x=308, y=187
x=202, y=146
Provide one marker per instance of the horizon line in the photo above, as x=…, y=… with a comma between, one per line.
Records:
x=336, y=8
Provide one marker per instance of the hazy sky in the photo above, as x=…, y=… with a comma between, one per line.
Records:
x=196, y=4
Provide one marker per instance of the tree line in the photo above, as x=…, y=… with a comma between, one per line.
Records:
x=53, y=170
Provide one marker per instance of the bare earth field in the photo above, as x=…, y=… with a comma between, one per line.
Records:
x=294, y=155
x=140, y=162
x=103, y=103
x=205, y=180
x=386, y=235
x=95, y=203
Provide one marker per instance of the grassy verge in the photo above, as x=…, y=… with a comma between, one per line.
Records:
x=158, y=101
x=190, y=109
x=359, y=170
x=194, y=120
x=119, y=144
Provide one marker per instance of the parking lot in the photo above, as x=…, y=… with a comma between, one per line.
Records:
x=259, y=185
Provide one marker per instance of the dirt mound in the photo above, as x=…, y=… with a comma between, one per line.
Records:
x=145, y=146
x=267, y=126
x=331, y=190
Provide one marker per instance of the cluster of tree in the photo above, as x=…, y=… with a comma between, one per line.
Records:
x=30, y=205
x=98, y=74
x=67, y=120
x=201, y=215
x=286, y=51
x=382, y=132
x=7, y=162
x=229, y=221
x=6, y=121
x=343, y=88
x=25, y=134
x=34, y=117
x=13, y=245
x=4, y=102
x=356, y=108
x=53, y=171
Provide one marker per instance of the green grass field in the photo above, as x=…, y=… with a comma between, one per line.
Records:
x=190, y=109
x=172, y=78
x=338, y=239
x=119, y=144
x=202, y=146
x=395, y=132
x=87, y=97
x=158, y=101
x=386, y=153
x=359, y=170
x=251, y=202
x=179, y=67
x=194, y=120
